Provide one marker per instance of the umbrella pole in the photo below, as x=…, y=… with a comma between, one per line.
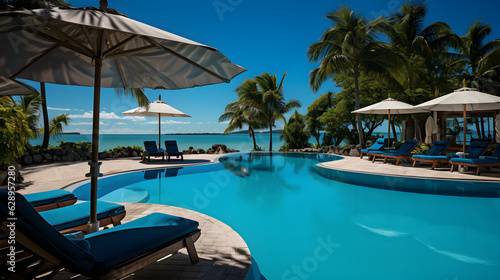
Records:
x=159, y=131
x=465, y=124
x=93, y=225
x=389, y=128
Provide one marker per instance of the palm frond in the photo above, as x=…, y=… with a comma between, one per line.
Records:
x=137, y=93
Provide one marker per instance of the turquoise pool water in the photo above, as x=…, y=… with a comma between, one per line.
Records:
x=301, y=225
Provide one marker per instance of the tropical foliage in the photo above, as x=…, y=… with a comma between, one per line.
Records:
x=262, y=100
x=351, y=46
x=295, y=134
x=395, y=54
x=15, y=131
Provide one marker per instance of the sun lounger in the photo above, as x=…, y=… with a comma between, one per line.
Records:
x=110, y=254
x=172, y=149
x=403, y=152
x=378, y=146
x=434, y=154
x=48, y=200
x=75, y=217
x=479, y=163
x=152, y=150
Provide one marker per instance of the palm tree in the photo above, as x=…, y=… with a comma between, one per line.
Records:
x=415, y=41
x=30, y=106
x=266, y=95
x=351, y=46
x=474, y=49
x=56, y=124
x=240, y=114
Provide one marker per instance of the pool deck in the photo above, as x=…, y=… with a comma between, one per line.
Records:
x=223, y=253
x=405, y=169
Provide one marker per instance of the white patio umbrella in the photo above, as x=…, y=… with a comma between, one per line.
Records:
x=91, y=47
x=11, y=87
x=387, y=107
x=158, y=109
x=464, y=99
x=429, y=129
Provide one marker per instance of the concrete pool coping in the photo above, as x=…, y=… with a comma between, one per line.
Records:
x=404, y=169
x=223, y=253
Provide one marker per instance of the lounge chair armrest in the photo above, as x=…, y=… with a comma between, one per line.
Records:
x=490, y=157
x=74, y=235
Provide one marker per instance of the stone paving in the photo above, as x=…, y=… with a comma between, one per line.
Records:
x=223, y=253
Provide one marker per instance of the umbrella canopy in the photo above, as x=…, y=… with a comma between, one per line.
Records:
x=91, y=47
x=12, y=87
x=472, y=99
x=62, y=46
x=391, y=106
x=387, y=107
x=158, y=109
x=429, y=129
x=464, y=99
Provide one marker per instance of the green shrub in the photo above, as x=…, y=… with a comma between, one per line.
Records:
x=72, y=146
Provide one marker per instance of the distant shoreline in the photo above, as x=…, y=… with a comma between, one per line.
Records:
x=218, y=133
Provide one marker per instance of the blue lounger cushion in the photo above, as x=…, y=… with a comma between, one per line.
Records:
x=494, y=158
x=476, y=149
x=152, y=149
x=122, y=242
x=42, y=198
x=376, y=152
x=437, y=148
x=78, y=214
x=403, y=150
x=137, y=237
x=475, y=160
x=377, y=146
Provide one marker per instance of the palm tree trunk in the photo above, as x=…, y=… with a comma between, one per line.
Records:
x=46, y=135
x=270, y=137
x=394, y=132
x=358, y=116
x=252, y=133
x=317, y=135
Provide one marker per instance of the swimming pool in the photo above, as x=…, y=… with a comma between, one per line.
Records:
x=301, y=225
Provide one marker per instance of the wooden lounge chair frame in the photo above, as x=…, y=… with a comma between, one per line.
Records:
x=397, y=158
x=362, y=154
x=374, y=156
x=55, y=205
x=479, y=166
x=434, y=162
x=34, y=261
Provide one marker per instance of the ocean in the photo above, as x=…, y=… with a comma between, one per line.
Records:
x=240, y=142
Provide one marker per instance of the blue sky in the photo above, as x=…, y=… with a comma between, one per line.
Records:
x=262, y=36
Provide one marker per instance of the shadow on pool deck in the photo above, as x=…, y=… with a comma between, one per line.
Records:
x=217, y=266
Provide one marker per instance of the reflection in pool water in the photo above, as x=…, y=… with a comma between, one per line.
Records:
x=300, y=225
